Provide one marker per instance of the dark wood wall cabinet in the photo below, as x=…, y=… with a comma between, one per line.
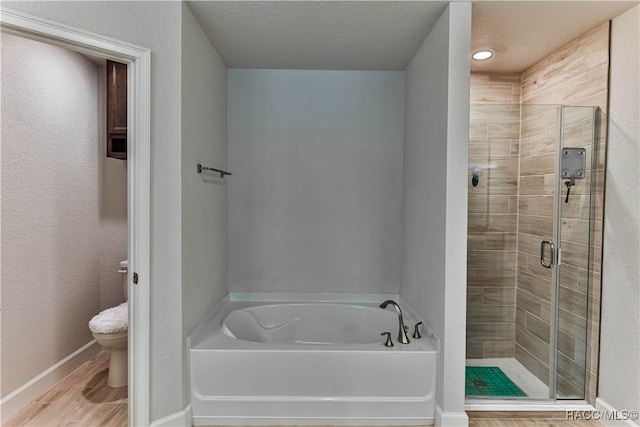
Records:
x=116, y=110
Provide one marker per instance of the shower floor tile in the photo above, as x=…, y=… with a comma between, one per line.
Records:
x=489, y=381
x=529, y=383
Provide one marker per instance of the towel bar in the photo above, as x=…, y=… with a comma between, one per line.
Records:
x=206, y=168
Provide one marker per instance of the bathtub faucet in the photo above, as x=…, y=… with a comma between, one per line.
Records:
x=402, y=333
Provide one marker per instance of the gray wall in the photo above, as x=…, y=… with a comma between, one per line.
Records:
x=435, y=196
x=112, y=209
x=315, y=196
x=204, y=197
x=619, y=377
x=156, y=26
x=64, y=207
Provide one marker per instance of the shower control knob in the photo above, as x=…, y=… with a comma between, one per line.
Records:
x=388, y=343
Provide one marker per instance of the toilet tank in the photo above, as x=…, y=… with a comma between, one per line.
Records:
x=124, y=270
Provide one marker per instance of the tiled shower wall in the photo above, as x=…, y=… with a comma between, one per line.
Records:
x=576, y=75
x=535, y=221
x=504, y=256
x=494, y=134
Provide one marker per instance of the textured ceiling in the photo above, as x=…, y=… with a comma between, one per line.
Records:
x=523, y=32
x=384, y=35
x=346, y=35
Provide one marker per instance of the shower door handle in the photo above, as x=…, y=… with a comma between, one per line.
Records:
x=552, y=253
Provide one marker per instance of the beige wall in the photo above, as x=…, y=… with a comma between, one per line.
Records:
x=63, y=208
x=575, y=75
x=493, y=138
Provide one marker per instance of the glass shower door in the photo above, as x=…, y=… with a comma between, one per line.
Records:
x=530, y=251
x=576, y=174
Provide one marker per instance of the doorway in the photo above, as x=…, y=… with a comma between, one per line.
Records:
x=138, y=180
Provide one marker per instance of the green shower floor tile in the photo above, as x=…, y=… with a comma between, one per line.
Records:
x=489, y=381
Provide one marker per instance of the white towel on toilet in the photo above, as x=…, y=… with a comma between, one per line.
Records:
x=111, y=321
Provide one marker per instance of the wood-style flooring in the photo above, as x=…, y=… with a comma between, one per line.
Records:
x=82, y=399
x=530, y=422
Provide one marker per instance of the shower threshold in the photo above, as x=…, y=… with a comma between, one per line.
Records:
x=525, y=405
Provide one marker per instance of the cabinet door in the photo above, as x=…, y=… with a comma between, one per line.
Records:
x=116, y=110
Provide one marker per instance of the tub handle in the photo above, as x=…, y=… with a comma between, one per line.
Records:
x=388, y=343
x=416, y=332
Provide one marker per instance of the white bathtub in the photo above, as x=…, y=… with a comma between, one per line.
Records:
x=310, y=362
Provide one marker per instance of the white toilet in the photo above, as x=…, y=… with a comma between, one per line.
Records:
x=110, y=329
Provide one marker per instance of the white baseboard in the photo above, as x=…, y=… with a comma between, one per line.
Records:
x=451, y=419
x=178, y=419
x=606, y=411
x=11, y=404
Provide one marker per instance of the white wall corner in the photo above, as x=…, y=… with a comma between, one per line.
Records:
x=451, y=419
x=453, y=351
x=619, y=364
x=604, y=411
x=178, y=419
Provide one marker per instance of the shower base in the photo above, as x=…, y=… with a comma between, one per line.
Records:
x=525, y=380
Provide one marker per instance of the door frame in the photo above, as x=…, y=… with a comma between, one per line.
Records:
x=138, y=60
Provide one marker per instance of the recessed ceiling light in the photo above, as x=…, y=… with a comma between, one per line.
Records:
x=482, y=55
